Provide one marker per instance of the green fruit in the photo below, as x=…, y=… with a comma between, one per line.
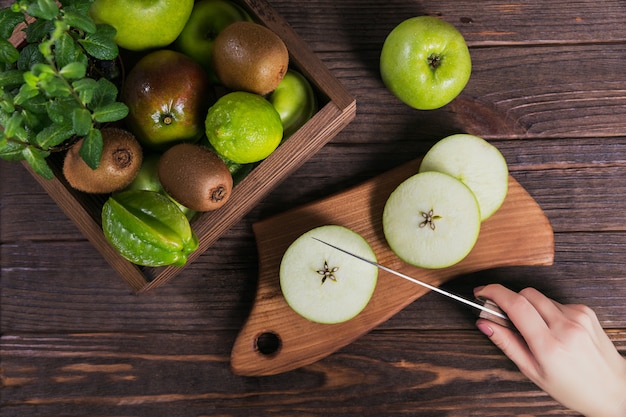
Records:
x=207, y=20
x=323, y=284
x=425, y=62
x=475, y=162
x=195, y=176
x=167, y=94
x=147, y=228
x=294, y=100
x=250, y=57
x=243, y=127
x=431, y=220
x=143, y=24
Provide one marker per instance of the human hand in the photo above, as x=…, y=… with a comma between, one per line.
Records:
x=561, y=348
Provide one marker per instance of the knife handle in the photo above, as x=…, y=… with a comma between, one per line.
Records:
x=488, y=316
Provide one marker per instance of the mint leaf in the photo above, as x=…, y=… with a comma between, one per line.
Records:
x=44, y=9
x=81, y=121
x=54, y=135
x=8, y=53
x=8, y=20
x=91, y=149
x=37, y=160
x=79, y=21
x=74, y=70
x=11, y=78
x=110, y=113
x=100, y=44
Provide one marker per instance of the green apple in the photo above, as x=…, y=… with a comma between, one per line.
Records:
x=425, y=62
x=431, y=220
x=143, y=24
x=148, y=179
x=207, y=20
x=323, y=284
x=168, y=95
x=294, y=100
x=477, y=163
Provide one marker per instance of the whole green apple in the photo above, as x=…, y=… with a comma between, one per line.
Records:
x=143, y=24
x=208, y=18
x=294, y=100
x=168, y=95
x=425, y=62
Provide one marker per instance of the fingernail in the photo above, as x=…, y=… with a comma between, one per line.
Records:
x=485, y=328
x=478, y=289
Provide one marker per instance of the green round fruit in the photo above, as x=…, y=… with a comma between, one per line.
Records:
x=243, y=127
x=294, y=100
x=425, y=62
x=431, y=220
x=323, y=284
x=143, y=24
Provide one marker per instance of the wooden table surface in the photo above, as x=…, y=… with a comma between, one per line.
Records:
x=548, y=88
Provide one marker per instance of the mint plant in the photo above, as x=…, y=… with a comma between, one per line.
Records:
x=51, y=93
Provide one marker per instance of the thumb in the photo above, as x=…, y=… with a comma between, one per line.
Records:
x=512, y=345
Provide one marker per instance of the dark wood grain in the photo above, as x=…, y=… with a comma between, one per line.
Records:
x=547, y=88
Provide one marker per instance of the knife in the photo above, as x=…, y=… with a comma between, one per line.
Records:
x=489, y=310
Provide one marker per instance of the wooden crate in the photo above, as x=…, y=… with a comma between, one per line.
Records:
x=337, y=109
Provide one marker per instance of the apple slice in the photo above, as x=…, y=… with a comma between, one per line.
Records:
x=431, y=220
x=323, y=284
x=475, y=162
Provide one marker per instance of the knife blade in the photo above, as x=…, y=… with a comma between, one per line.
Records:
x=489, y=310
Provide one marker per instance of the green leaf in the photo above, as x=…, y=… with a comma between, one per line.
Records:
x=100, y=44
x=25, y=93
x=8, y=53
x=13, y=124
x=54, y=135
x=65, y=50
x=8, y=21
x=12, y=151
x=91, y=149
x=55, y=87
x=11, y=78
x=29, y=56
x=85, y=88
x=81, y=121
x=74, y=70
x=110, y=113
x=38, y=30
x=44, y=9
x=37, y=160
x=104, y=94
x=79, y=21
x=77, y=6
x=61, y=109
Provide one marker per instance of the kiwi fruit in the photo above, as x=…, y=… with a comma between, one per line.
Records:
x=195, y=177
x=119, y=164
x=250, y=57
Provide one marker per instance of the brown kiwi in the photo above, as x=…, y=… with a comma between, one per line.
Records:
x=195, y=177
x=119, y=164
x=250, y=57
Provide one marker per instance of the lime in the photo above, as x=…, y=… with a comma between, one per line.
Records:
x=243, y=127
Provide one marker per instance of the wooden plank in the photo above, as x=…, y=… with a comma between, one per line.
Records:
x=421, y=373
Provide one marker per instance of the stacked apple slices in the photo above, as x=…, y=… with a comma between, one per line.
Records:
x=431, y=220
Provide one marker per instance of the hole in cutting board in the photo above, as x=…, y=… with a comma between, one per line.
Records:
x=268, y=343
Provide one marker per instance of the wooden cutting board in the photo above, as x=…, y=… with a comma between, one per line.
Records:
x=275, y=339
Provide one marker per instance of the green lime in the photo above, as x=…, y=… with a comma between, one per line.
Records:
x=243, y=127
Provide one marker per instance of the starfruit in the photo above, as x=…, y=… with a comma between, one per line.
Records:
x=147, y=228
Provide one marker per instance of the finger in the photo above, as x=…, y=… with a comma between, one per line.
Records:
x=550, y=310
x=512, y=345
x=520, y=311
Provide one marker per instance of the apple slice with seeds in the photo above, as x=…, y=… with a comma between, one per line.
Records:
x=431, y=220
x=323, y=284
x=477, y=163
